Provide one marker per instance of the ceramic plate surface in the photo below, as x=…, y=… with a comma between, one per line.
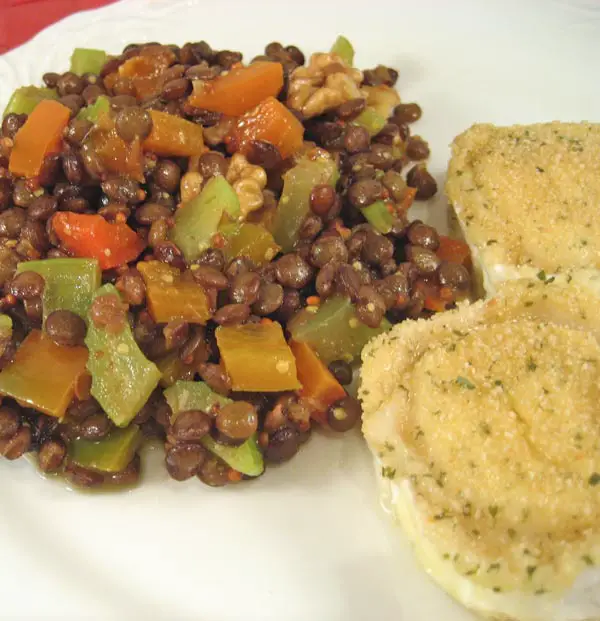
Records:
x=308, y=541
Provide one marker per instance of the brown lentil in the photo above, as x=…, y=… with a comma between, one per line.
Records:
x=269, y=299
x=214, y=472
x=42, y=207
x=190, y=426
x=293, y=271
x=16, y=446
x=133, y=122
x=364, y=192
x=9, y=422
x=51, y=455
x=236, y=422
x=244, y=288
x=283, y=445
x=426, y=261
x=453, y=275
x=27, y=285
x=420, y=234
x=183, y=461
x=420, y=178
x=407, y=113
x=344, y=414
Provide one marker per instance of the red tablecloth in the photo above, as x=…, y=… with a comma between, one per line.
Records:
x=22, y=19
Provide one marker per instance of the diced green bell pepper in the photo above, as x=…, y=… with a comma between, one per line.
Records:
x=248, y=240
x=26, y=98
x=70, y=283
x=85, y=60
x=93, y=112
x=294, y=204
x=334, y=331
x=183, y=396
x=343, y=48
x=379, y=216
x=111, y=454
x=198, y=220
x=122, y=377
x=371, y=120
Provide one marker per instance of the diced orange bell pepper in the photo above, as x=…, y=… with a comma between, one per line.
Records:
x=319, y=385
x=90, y=235
x=454, y=250
x=270, y=121
x=40, y=136
x=257, y=358
x=240, y=90
x=118, y=156
x=170, y=297
x=173, y=136
x=44, y=375
x=147, y=70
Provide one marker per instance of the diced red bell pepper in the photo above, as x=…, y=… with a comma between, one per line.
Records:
x=90, y=235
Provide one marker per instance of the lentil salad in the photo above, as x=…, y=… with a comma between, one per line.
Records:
x=199, y=249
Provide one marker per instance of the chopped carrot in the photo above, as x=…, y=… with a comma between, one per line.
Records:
x=40, y=136
x=319, y=385
x=272, y=122
x=454, y=250
x=239, y=90
x=173, y=136
x=313, y=300
x=90, y=235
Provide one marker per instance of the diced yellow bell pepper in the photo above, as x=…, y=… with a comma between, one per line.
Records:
x=257, y=358
x=43, y=375
x=249, y=240
x=170, y=297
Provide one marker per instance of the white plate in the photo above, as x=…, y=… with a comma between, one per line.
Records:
x=308, y=540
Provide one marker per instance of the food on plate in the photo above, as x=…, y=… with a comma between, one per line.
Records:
x=195, y=249
x=525, y=197
x=484, y=424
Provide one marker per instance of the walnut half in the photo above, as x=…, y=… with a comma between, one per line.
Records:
x=326, y=83
x=248, y=181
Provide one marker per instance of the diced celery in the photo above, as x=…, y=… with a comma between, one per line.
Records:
x=249, y=240
x=379, y=216
x=122, y=377
x=294, y=204
x=85, y=60
x=343, y=48
x=111, y=454
x=93, y=112
x=26, y=98
x=334, y=331
x=183, y=396
x=371, y=120
x=197, y=221
x=70, y=283
x=245, y=458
